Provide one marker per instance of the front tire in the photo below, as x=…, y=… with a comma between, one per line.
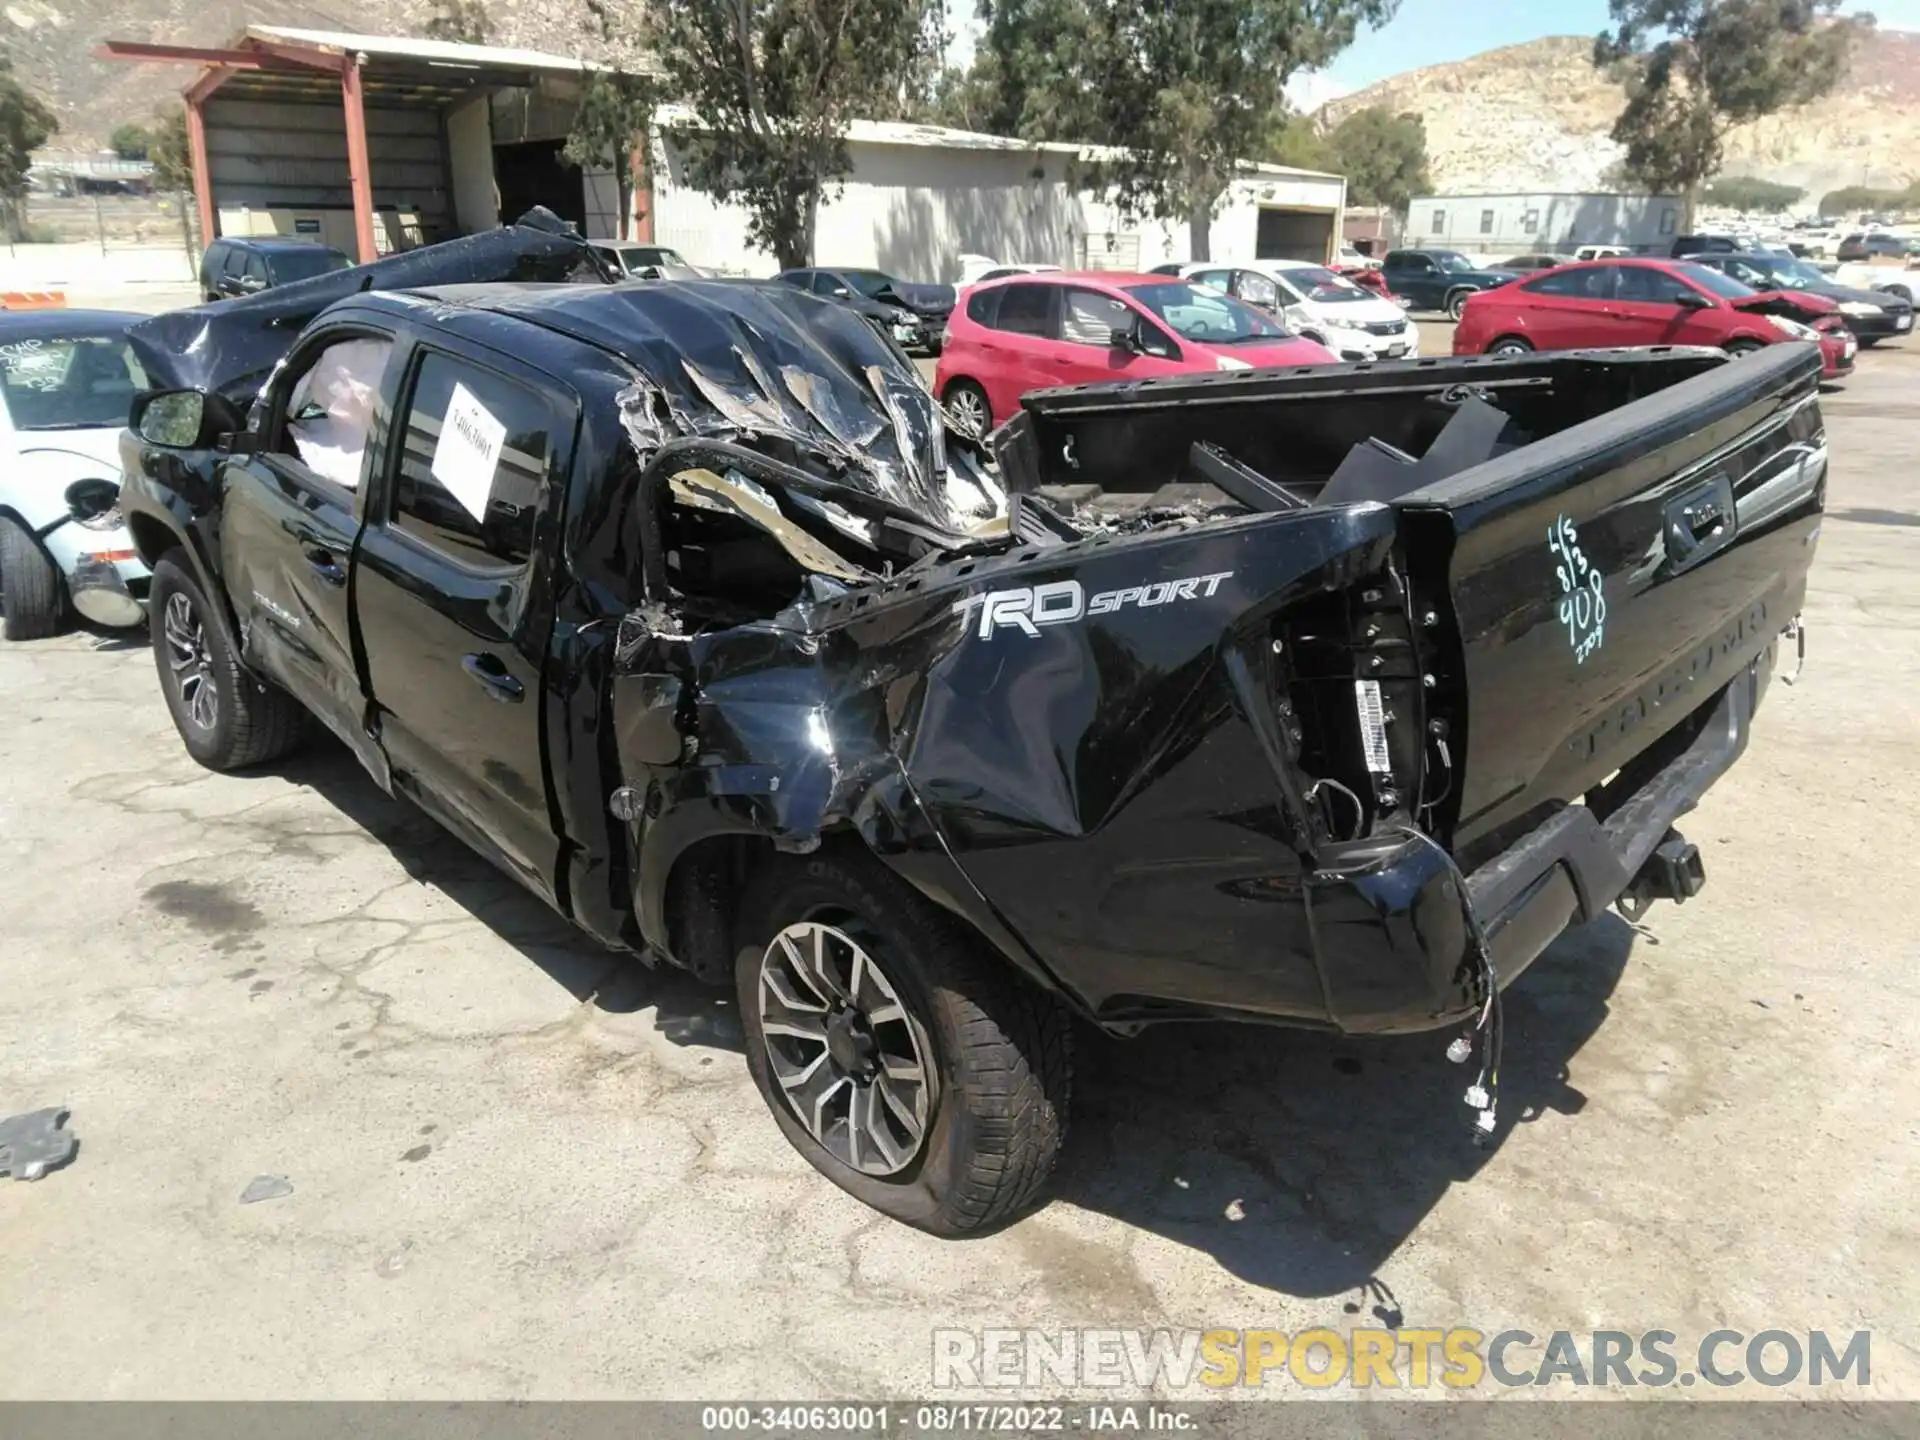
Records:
x=905, y=1062
x=30, y=587
x=972, y=412
x=1737, y=348
x=1457, y=304
x=226, y=717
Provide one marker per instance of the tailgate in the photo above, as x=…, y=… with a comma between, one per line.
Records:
x=1607, y=581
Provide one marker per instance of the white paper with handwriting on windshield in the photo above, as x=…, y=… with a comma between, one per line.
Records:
x=467, y=454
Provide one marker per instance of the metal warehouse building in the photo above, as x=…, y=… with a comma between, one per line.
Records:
x=379, y=143
x=1557, y=223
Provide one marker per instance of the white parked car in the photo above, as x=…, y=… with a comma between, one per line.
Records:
x=978, y=269
x=645, y=262
x=67, y=379
x=1316, y=303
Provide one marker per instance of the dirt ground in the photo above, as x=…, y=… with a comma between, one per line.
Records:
x=521, y=1167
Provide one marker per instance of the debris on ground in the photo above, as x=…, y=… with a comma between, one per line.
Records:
x=34, y=1143
x=265, y=1187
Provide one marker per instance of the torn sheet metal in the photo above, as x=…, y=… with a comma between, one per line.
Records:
x=799, y=379
x=34, y=1143
x=232, y=345
x=734, y=494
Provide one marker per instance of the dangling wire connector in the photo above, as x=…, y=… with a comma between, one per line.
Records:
x=1485, y=1035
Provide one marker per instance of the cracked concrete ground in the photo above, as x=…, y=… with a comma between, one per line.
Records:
x=521, y=1166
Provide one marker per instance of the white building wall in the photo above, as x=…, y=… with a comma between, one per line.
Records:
x=914, y=210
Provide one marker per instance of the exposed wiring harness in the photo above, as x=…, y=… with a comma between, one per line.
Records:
x=1486, y=1034
x=1359, y=810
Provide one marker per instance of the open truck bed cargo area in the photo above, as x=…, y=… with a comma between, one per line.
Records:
x=1323, y=697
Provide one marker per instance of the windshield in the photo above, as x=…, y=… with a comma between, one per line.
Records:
x=1318, y=283
x=304, y=264
x=63, y=383
x=1452, y=261
x=1708, y=278
x=639, y=257
x=1792, y=274
x=1195, y=312
x=867, y=282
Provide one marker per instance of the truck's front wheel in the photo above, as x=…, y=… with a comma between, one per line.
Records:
x=909, y=1066
x=226, y=717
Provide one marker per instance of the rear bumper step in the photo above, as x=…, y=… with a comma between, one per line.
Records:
x=1566, y=871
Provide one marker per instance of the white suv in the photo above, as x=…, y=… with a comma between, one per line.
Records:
x=1316, y=303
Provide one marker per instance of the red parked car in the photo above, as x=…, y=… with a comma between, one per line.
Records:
x=1036, y=332
x=1647, y=302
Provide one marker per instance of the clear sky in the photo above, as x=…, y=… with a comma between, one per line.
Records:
x=1432, y=32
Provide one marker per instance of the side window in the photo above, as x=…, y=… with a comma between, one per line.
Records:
x=1748, y=274
x=981, y=305
x=1486, y=222
x=1588, y=284
x=473, y=465
x=236, y=263
x=1089, y=318
x=1024, y=309
x=256, y=269
x=1256, y=289
x=795, y=277
x=1218, y=279
x=825, y=283
x=1647, y=286
x=1419, y=265
x=331, y=408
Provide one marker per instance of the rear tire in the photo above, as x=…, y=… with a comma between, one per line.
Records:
x=227, y=718
x=30, y=587
x=970, y=1145
x=1510, y=345
x=1457, y=304
x=1737, y=348
x=967, y=403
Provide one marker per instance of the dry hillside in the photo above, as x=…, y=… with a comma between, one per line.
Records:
x=1536, y=117
x=51, y=42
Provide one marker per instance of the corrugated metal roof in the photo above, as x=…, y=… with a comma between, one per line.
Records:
x=401, y=47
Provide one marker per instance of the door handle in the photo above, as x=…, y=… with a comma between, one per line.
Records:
x=325, y=564
x=493, y=677
x=1701, y=522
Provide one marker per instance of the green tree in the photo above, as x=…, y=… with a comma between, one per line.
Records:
x=1033, y=72
x=1864, y=199
x=25, y=125
x=464, y=21
x=1749, y=192
x=1295, y=140
x=1694, y=69
x=131, y=142
x=1383, y=156
x=1189, y=91
x=614, y=120
x=768, y=89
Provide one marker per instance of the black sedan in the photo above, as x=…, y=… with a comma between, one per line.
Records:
x=914, y=315
x=1872, y=315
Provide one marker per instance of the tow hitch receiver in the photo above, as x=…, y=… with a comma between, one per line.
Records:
x=1673, y=872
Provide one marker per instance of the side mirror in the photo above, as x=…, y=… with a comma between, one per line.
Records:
x=1125, y=337
x=180, y=419
x=252, y=283
x=840, y=292
x=1692, y=300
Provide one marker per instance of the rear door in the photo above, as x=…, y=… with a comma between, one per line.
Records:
x=1607, y=581
x=451, y=595
x=291, y=512
x=1020, y=343
x=1568, y=308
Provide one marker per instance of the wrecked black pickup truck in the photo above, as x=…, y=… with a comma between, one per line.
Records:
x=1322, y=697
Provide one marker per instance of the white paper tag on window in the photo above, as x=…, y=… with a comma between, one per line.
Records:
x=467, y=453
x=1373, y=725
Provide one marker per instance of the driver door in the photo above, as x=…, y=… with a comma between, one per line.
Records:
x=1647, y=309
x=1083, y=352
